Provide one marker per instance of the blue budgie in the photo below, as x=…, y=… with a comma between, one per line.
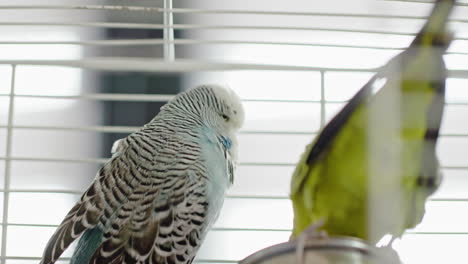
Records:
x=164, y=186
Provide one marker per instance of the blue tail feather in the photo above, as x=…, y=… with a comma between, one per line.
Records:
x=87, y=245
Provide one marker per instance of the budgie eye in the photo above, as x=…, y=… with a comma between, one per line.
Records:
x=428, y=182
x=225, y=117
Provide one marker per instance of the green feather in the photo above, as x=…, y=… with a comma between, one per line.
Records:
x=331, y=181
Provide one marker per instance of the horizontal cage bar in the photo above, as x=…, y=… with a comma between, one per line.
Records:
x=212, y=11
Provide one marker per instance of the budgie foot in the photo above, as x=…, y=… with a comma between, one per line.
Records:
x=387, y=255
x=309, y=233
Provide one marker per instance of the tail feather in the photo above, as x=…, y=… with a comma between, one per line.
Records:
x=87, y=245
x=434, y=31
x=83, y=216
x=62, y=237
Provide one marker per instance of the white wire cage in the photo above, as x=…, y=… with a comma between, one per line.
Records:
x=294, y=65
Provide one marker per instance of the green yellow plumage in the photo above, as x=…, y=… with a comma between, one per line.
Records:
x=388, y=130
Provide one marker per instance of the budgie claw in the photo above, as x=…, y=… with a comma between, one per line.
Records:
x=310, y=232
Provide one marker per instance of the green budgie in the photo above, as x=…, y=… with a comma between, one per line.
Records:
x=370, y=170
x=164, y=186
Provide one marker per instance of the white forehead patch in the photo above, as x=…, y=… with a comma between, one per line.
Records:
x=232, y=99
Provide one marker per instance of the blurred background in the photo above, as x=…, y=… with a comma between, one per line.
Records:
x=77, y=75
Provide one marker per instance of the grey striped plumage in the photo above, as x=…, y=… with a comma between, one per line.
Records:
x=163, y=187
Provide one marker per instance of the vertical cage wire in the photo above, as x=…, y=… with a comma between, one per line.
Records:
x=322, y=99
x=169, y=49
x=8, y=152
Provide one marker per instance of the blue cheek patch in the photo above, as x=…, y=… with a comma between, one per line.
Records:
x=227, y=142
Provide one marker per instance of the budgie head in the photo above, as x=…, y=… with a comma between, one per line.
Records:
x=228, y=106
x=214, y=105
x=211, y=107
